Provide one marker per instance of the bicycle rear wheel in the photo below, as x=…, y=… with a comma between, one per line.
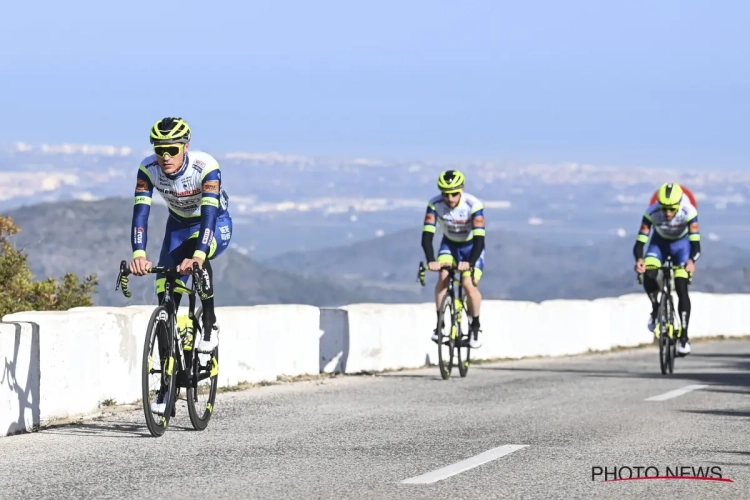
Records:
x=165, y=386
x=201, y=397
x=449, y=341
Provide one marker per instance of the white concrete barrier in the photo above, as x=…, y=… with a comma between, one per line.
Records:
x=262, y=343
x=65, y=364
x=388, y=336
x=87, y=356
x=19, y=383
x=333, y=345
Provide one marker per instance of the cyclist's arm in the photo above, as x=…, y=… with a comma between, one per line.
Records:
x=478, y=232
x=144, y=190
x=211, y=186
x=428, y=232
x=694, y=236
x=642, y=238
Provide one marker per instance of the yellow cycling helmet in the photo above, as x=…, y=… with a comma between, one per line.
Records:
x=451, y=181
x=170, y=130
x=669, y=195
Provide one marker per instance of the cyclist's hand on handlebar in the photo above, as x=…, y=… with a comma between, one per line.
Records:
x=140, y=266
x=640, y=267
x=464, y=266
x=187, y=265
x=435, y=266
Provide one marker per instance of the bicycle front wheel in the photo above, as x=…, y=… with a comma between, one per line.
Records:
x=663, y=349
x=672, y=345
x=158, y=381
x=464, y=349
x=201, y=397
x=446, y=342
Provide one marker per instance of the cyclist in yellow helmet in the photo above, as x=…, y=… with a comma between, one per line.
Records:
x=199, y=226
x=461, y=218
x=675, y=222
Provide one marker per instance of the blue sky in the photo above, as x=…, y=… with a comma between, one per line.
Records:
x=660, y=83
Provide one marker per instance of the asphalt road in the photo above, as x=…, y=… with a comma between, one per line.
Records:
x=362, y=437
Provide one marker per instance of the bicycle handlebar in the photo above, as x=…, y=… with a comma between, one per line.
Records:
x=451, y=268
x=198, y=284
x=665, y=266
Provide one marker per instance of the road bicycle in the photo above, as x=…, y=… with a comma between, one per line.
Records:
x=191, y=367
x=666, y=318
x=458, y=338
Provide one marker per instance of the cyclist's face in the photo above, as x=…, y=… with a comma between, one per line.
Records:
x=452, y=199
x=669, y=212
x=170, y=156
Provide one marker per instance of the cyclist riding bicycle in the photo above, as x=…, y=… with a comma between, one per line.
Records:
x=190, y=184
x=675, y=222
x=461, y=218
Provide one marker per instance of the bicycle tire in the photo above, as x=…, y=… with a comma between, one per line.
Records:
x=198, y=419
x=463, y=343
x=159, y=319
x=663, y=339
x=446, y=304
x=662, y=353
x=672, y=338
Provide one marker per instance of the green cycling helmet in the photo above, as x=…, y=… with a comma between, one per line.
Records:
x=451, y=181
x=670, y=195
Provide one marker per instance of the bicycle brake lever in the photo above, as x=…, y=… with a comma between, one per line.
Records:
x=122, y=279
x=123, y=267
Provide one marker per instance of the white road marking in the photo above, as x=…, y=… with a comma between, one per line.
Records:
x=675, y=393
x=464, y=465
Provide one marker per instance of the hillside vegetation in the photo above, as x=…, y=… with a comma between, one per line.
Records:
x=93, y=237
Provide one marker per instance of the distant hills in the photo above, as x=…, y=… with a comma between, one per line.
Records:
x=283, y=203
x=517, y=266
x=93, y=237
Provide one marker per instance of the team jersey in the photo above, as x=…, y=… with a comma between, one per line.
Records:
x=684, y=222
x=458, y=224
x=193, y=194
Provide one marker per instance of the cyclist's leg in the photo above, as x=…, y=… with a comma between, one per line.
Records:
x=171, y=256
x=173, y=236
x=223, y=231
x=446, y=255
x=653, y=259
x=473, y=295
x=680, y=251
x=180, y=247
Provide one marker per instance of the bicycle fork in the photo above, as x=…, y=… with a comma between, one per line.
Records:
x=172, y=353
x=459, y=305
x=666, y=310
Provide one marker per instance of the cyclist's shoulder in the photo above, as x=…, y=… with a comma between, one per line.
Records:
x=202, y=158
x=687, y=206
x=473, y=202
x=471, y=199
x=653, y=208
x=438, y=198
x=148, y=162
x=201, y=161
